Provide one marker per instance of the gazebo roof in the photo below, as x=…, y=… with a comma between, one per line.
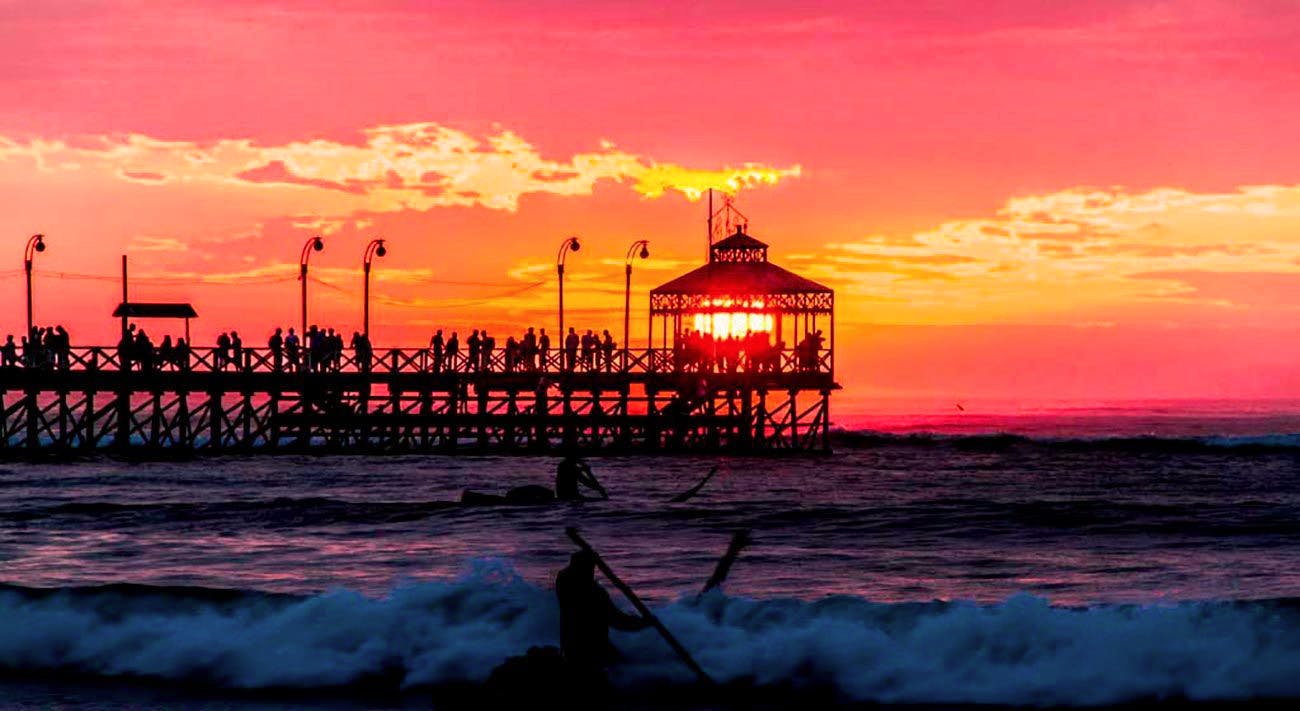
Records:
x=739, y=240
x=738, y=269
x=140, y=309
x=741, y=278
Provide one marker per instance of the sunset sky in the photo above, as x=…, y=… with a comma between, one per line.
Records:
x=1015, y=201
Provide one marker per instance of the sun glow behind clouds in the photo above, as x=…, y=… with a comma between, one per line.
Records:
x=694, y=183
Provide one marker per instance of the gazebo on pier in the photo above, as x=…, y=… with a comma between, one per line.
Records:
x=739, y=294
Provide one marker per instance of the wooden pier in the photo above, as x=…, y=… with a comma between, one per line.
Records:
x=401, y=401
x=717, y=376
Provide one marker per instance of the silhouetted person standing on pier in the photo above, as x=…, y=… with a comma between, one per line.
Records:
x=332, y=347
x=143, y=350
x=292, y=349
x=809, y=351
x=435, y=348
x=589, y=345
x=607, y=346
x=62, y=347
x=165, y=352
x=236, y=350
x=222, y=352
x=181, y=354
x=125, y=346
x=586, y=614
x=488, y=345
x=543, y=349
x=9, y=352
x=361, y=349
x=512, y=354
x=528, y=350
x=473, y=343
x=571, y=349
x=453, y=348
x=276, y=344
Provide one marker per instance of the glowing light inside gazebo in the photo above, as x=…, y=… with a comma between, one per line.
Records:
x=733, y=325
x=735, y=318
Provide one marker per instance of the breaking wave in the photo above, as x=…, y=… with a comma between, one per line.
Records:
x=1021, y=651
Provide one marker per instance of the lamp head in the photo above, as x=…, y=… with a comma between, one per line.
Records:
x=381, y=251
x=573, y=241
x=40, y=243
x=645, y=251
x=317, y=244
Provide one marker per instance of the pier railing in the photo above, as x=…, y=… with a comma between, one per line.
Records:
x=423, y=360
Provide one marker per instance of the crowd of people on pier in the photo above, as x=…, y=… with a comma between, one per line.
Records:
x=136, y=351
x=325, y=350
x=530, y=352
x=754, y=352
x=319, y=350
x=322, y=350
x=43, y=347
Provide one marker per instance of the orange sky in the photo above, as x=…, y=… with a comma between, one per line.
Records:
x=1020, y=201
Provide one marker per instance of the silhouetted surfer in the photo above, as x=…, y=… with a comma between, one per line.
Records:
x=576, y=671
x=572, y=474
x=586, y=614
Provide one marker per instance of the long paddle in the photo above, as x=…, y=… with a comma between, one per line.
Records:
x=686, y=495
x=739, y=540
x=640, y=607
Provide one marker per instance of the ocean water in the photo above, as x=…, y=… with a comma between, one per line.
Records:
x=1069, y=557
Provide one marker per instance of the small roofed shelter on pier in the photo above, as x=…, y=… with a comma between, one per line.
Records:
x=740, y=293
x=139, y=309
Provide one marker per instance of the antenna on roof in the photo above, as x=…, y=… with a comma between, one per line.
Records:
x=732, y=219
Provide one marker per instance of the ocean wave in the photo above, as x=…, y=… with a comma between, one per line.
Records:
x=282, y=512
x=1005, y=441
x=933, y=516
x=1021, y=651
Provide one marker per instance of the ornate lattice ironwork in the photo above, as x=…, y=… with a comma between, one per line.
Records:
x=807, y=303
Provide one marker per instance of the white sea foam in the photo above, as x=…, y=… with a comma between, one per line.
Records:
x=1022, y=651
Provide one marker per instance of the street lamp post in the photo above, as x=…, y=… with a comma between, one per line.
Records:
x=315, y=244
x=374, y=249
x=632, y=253
x=569, y=244
x=36, y=243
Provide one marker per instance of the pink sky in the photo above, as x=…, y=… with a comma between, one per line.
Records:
x=1013, y=200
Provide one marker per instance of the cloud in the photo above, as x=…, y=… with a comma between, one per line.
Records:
x=142, y=176
x=1255, y=289
x=276, y=172
x=416, y=166
x=156, y=243
x=1080, y=253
